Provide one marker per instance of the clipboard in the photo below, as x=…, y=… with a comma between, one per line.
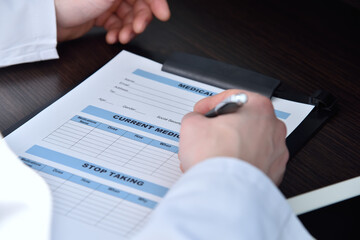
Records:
x=196, y=68
x=228, y=76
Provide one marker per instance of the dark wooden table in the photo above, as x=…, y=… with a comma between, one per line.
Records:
x=308, y=45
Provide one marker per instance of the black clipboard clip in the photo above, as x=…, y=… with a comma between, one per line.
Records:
x=323, y=100
x=219, y=74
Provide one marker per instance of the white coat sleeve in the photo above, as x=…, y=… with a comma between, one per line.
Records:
x=224, y=198
x=25, y=200
x=27, y=31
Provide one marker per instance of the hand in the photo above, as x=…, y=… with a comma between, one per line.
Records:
x=123, y=19
x=252, y=134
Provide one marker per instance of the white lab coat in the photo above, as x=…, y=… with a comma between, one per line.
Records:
x=220, y=198
x=27, y=31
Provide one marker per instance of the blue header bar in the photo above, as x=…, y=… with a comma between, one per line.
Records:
x=111, y=129
x=164, y=146
x=281, y=114
x=91, y=184
x=85, y=121
x=189, y=88
x=133, y=123
x=173, y=83
x=56, y=172
x=141, y=201
x=130, y=135
x=33, y=164
x=113, y=191
x=137, y=137
x=99, y=171
x=84, y=182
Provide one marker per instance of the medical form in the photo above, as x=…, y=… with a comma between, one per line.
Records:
x=108, y=148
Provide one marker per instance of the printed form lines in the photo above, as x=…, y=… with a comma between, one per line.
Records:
x=152, y=105
x=124, y=149
x=170, y=97
x=133, y=82
x=94, y=207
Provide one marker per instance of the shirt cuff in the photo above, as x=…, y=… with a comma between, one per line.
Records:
x=29, y=29
x=240, y=195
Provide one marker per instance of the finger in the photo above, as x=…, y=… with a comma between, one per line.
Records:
x=124, y=9
x=113, y=26
x=112, y=36
x=131, y=2
x=113, y=22
x=142, y=16
x=206, y=104
x=160, y=9
x=100, y=21
x=126, y=34
x=129, y=18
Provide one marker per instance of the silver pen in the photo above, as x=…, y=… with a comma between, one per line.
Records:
x=228, y=105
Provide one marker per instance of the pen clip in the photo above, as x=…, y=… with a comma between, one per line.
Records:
x=228, y=105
